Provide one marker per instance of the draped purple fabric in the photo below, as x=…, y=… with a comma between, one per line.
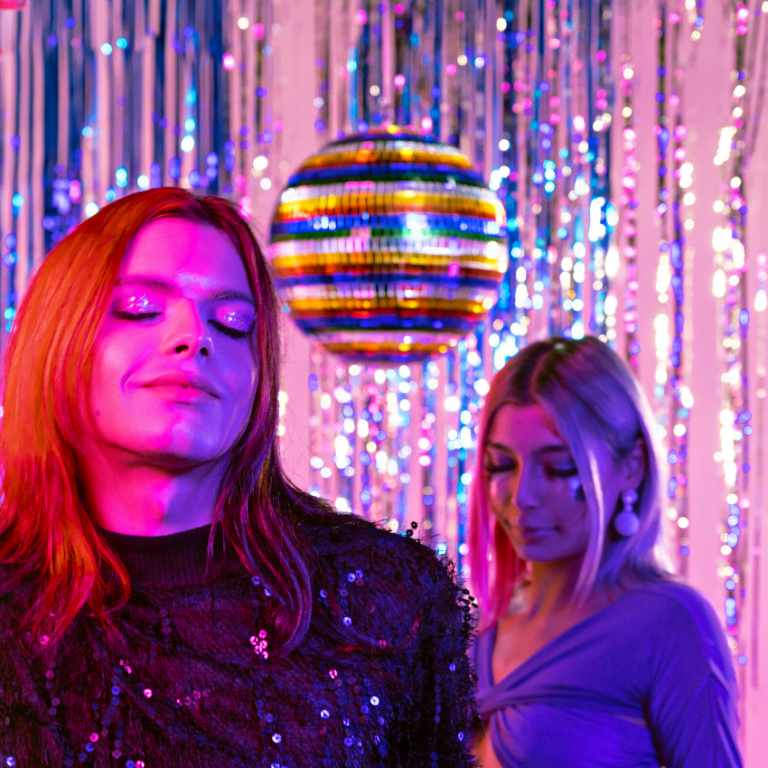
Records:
x=646, y=681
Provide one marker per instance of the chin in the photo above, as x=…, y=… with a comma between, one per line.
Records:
x=175, y=447
x=177, y=456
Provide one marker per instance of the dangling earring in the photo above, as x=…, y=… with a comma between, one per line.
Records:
x=627, y=522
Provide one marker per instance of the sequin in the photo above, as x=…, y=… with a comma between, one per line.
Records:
x=351, y=730
x=10, y=762
x=452, y=667
x=44, y=640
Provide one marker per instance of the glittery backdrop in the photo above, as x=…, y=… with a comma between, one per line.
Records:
x=583, y=117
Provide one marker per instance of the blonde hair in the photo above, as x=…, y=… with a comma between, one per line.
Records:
x=590, y=396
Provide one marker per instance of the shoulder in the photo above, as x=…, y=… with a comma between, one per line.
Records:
x=398, y=573
x=393, y=556
x=678, y=616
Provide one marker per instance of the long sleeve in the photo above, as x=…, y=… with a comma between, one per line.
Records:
x=692, y=704
x=439, y=732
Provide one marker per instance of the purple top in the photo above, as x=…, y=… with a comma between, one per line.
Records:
x=646, y=681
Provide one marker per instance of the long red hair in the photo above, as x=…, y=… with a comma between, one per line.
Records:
x=47, y=538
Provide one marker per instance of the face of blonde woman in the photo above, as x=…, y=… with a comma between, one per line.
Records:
x=533, y=486
x=174, y=373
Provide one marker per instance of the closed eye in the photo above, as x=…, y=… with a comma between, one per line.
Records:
x=228, y=330
x=498, y=469
x=135, y=316
x=561, y=471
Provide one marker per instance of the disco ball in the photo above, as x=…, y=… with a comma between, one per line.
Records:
x=388, y=246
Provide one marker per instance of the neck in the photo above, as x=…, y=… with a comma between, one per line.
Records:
x=552, y=586
x=132, y=495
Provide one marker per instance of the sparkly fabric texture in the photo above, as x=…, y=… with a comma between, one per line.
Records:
x=193, y=681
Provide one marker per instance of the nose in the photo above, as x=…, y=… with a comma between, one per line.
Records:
x=187, y=334
x=526, y=494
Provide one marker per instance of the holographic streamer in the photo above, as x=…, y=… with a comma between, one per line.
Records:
x=628, y=201
x=427, y=443
x=756, y=522
x=696, y=15
x=730, y=287
x=473, y=386
x=452, y=406
x=674, y=173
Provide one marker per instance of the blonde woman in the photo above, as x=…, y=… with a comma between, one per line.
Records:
x=589, y=653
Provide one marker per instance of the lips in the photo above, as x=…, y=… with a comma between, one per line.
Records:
x=184, y=381
x=531, y=534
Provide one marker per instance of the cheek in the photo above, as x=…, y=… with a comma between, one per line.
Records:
x=106, y=374
x=242, y=379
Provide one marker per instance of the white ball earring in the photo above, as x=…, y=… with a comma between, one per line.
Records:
x=627, y=522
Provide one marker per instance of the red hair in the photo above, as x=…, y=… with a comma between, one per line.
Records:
x=47, y=538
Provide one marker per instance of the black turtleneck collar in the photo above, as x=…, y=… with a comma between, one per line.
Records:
x=175, y=559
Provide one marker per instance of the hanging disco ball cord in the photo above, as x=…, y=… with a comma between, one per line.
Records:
x=388, y=246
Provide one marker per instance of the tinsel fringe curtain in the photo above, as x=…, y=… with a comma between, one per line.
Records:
x=99, y=98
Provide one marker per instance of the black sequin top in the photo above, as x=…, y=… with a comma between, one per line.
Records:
x=193, y=683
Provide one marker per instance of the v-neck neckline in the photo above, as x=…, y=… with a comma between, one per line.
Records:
x=493, y=634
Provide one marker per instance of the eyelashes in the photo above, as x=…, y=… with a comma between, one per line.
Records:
x=500, y=469
x=135, y=316
x=228, y=330
x=570, y=472
x=556, y=472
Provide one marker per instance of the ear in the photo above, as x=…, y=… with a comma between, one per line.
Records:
x=634, y=467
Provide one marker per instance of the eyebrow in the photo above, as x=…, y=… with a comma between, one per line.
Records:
x=544, y=450
x=159, y=284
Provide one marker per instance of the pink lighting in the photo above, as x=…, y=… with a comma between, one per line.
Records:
x=399, y=81
x=228, y=62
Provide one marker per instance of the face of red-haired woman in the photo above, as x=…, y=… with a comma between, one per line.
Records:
x=174, y=373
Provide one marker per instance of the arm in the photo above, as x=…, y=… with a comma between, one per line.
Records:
x=692, y=705
x=444, y=717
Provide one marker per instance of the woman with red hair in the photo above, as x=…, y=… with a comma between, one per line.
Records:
x=589, y=653
x=168, y=597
